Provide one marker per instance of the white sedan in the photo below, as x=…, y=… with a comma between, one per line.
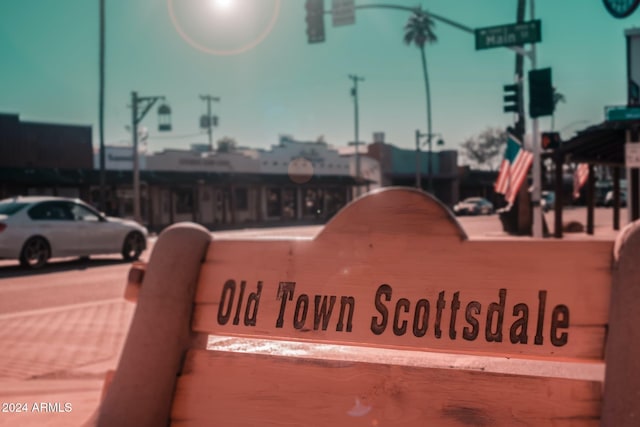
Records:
x=34, y=229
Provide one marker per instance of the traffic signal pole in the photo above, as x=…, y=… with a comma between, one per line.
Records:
x=537, y=181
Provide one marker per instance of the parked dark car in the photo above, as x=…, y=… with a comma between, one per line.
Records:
x=473, y=206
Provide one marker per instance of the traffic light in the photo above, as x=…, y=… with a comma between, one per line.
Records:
x=550, y=140
x=540, y=93
x=512, y=98
x=315, y=21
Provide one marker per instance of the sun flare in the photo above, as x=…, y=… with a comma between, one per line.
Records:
x=231, y=28
x=221, y=4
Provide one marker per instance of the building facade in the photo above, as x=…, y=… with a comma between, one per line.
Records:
x=43, y=158
x=291, y=182
x=400, y=166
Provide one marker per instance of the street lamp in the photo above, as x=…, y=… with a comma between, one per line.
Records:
x=429, y=137
x=164, y=117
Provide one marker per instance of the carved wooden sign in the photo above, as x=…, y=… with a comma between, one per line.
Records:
x=394, y=270
x=399, y=316
x=398, y=271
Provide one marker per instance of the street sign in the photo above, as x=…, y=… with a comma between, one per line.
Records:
x=343, y=12
x=620, y=113
x=632, y=155
x=508, y=35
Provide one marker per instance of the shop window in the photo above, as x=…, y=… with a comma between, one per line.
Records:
x=289, y=203
x=335, y=199
x=219, y=200
x=165, y=202
x=274, y=205
x=313, y=202
x=184, y=201
x=242, y=199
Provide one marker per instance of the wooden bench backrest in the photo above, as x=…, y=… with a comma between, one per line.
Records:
x=371, y=313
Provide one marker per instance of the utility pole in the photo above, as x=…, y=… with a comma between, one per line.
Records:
x=209, y=121
x=136, y=118
x=356, y=143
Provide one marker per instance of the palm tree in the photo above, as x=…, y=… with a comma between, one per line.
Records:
x=557, y=98
x=419, y=31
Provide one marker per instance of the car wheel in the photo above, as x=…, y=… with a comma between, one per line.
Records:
x=133, y=246
x=35, y=253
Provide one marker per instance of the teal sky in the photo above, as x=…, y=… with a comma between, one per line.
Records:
x=283, y=85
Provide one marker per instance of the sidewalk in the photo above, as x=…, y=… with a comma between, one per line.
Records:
x=62, y=386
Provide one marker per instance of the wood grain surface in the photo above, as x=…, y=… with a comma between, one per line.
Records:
x=236, y=389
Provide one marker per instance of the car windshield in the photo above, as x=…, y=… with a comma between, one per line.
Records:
x=11, y=208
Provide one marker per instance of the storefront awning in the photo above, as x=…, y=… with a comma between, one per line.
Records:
x=601, y=144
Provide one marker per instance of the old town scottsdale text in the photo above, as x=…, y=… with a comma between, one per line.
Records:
x=443, y=315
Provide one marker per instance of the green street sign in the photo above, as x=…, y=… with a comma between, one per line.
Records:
x=508, y=35
x=343, y=12
x=620, y=113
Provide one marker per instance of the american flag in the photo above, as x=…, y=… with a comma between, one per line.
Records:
x=513, y=170
x=579, y=178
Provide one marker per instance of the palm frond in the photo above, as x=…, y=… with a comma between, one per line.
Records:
x=419, y=29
